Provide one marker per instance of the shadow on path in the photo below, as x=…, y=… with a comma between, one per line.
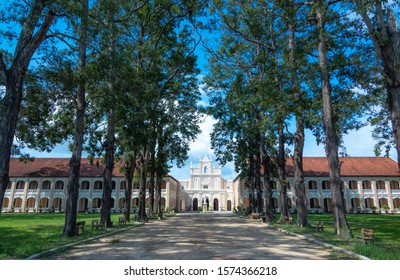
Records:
x=193, y=236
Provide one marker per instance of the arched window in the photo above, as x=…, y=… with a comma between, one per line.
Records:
x=205, y=170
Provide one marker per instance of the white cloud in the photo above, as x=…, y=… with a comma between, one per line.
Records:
x=202, y=145
x=198, y=149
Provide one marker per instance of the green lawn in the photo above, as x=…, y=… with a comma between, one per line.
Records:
x=386, y=227
x=22, y=235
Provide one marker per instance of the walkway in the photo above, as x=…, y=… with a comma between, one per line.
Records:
x=199, y=237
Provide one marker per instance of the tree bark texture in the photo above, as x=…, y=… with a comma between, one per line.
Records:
x=108, y=171
x=299, y=137
x=13, y=80
x=157, y=204
x=251, y=181
x=282, y=177
x=331, y=139
x=143, y=181
x=129, y=173
x=152, y=184
x=265, y=159
x=75, y=161
x=259, y=200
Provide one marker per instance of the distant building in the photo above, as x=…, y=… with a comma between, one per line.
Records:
x=40, y=185
x=206, y=188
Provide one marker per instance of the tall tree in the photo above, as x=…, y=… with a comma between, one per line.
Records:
x=294, y=22
x=331, y=137
x=75, y=161
x=38, y=19
x=382, y=24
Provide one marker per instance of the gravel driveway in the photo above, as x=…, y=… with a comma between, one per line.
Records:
x=193, y=236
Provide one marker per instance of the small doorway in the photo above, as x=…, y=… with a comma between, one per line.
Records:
x=216, y=204
x=195, y=204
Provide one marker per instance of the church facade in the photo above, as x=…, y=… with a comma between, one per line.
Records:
x=206, y=188
x=40, y=186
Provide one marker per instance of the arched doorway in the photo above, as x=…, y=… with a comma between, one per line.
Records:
x=96, y=203
x=6, y=201
x=44, y=202
x=83, y=205
x=314, y=203
x=30, y=203
x=369, y=202
x=355, y=202
x=396, y=203
x=17, y=203
x=195, y=204
x=216, y=208
x=57, y=202
x=328, y=207
x=229, y=205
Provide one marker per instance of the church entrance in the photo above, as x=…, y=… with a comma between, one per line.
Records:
x=195, y=204
x=216, y=208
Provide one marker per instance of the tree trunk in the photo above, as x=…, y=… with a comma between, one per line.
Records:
x=108, y=171
x=259, y=199
x=75, y=161
x=251, y=184
x=282, y=177
x=13, y=80
x=331, y=141
x=152, y=185
x=130, y=171
x=142, y=189
x=265, y=159
x=158, y=209
x=299, y=138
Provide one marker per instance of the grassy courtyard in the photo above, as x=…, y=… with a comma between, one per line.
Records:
x=386, y=227
x=23, y=235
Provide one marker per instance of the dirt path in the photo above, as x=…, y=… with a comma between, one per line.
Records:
x=198, y=237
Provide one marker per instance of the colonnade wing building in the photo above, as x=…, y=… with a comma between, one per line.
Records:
x=40, y=186
x=367, y=182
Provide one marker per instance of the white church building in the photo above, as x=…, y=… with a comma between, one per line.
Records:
x=206, y=188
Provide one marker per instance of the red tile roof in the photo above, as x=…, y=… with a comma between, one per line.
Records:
x=313, y=167
x=56, y=167
x=350, y=167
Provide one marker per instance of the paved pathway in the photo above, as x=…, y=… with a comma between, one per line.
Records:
x=199, y=237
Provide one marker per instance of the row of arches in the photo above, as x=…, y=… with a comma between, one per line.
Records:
x=327, y=203
x=83, y=203
x=366, y=185
x=44, y=202
x=85, y=185
x=215, y=204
